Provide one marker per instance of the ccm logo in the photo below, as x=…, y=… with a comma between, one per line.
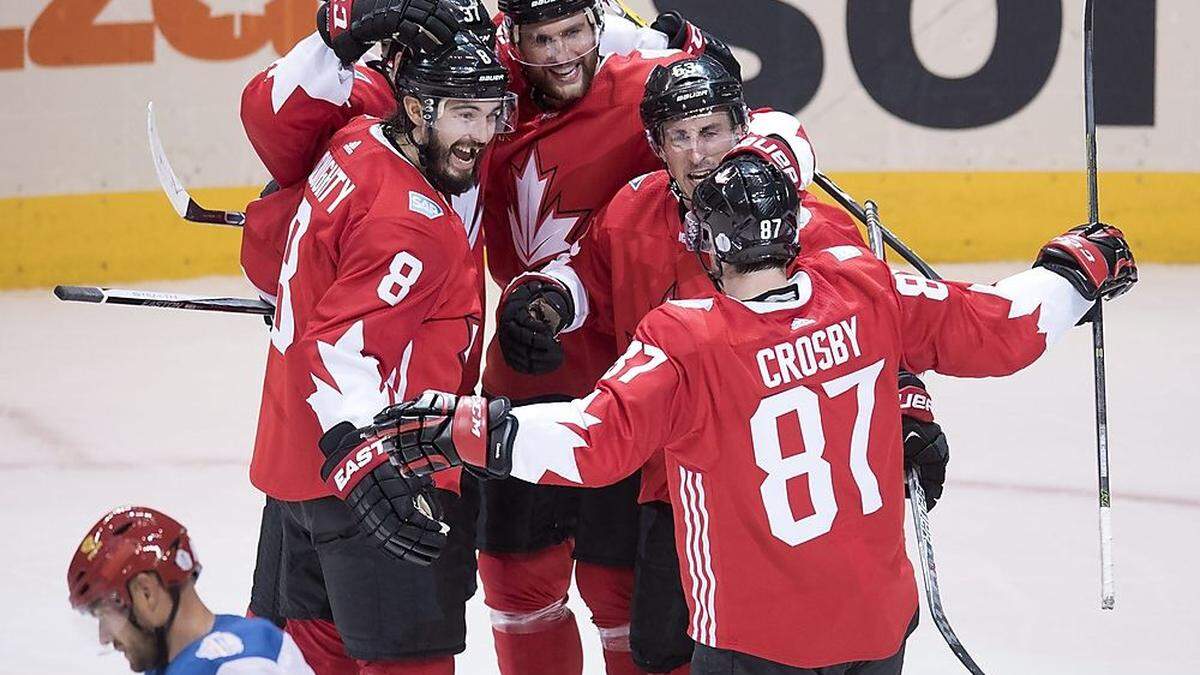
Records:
x=363, y=458
x=477, y=416
x=916, y=401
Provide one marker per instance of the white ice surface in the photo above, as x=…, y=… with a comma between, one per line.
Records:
x=107, y=405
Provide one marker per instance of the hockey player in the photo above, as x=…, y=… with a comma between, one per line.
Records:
x=135, y=573
x=378, y=298
x=633, y=259
x=578, y=140
x=291, y=107
x=776, y=402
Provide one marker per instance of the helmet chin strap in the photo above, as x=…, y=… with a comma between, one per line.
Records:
x=715, y=272
x=161, y=650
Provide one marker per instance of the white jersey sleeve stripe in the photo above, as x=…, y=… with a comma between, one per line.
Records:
x=704, y=583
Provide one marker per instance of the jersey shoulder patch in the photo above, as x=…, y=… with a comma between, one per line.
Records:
x=844, y=253
x=219, y=645
x=419, y=203
x=696, y=303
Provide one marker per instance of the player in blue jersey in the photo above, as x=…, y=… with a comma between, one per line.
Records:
x=135, y=573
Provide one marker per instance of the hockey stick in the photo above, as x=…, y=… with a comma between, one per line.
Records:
x=627, y=12
x=916, y=494
x=1107, y=593
x=847, y=202
x=117, y=296
x=184, y=205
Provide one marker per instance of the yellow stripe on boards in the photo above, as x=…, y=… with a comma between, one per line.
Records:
x=982, y=216
x=945, y=216
x=115, y=237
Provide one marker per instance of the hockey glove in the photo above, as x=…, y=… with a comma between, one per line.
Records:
x=399, y=511
x=925, y=445
x=687, y=36
x=350, y=27
x=531, y=315
x=774, y=150
x=1095, y=258
x=439, y=430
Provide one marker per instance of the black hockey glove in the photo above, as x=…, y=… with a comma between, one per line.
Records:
x=685, y=35
x=531, y=315
x=439, y=430
x=925, y=445
x=350, y=27
x=1095, y=259
x=399, y=511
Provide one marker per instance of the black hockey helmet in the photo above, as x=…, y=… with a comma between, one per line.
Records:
x=689, y=88
x=465, y=69
x=522, y=12
x=744, y=213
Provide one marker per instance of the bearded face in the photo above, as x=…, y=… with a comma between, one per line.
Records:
x=559, y=57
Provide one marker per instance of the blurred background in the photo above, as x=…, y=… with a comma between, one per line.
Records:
x=962, y=118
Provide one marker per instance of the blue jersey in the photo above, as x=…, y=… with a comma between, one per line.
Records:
x=239, y=646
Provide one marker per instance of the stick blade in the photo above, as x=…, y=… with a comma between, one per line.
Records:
x=176, y=193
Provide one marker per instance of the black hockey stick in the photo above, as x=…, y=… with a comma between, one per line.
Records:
x=184, y=205
x=847, y=202
x=916, y=494
x=1107, y=593
x=117, y=296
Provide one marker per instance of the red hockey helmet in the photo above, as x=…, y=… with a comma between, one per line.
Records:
x=126, y=542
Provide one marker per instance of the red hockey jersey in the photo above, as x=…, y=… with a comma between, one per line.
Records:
x=377, y=298
x=289, y=112
x=543, y=184
x=633, y=257
x=781, y=426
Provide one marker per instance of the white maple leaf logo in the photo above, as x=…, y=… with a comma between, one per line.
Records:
x=562, y=437
x=540, y=232
x=358, y=390
x=237, y=9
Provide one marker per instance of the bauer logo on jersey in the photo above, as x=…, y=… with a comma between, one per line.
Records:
x=423, y=205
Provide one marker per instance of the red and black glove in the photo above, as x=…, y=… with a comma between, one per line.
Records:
x=350, y=27
x=1095, y=258
x=439, y=430
x=531, y=315
x=399, y=511
x=925, y=446
x=687, y=36
x=772, y=149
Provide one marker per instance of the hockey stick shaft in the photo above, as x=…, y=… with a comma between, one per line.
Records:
x=1107, y=591
x=117, y=296
x=916, y=494
x=920, y=514
x=847, y=202
x=180, y=199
